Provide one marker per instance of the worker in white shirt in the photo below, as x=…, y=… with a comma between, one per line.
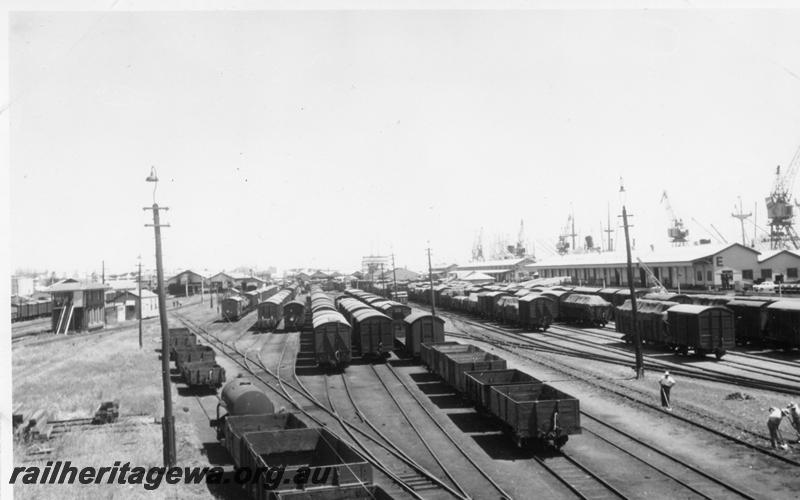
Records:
x=773, y=424
x=794, y=417
x=666, y=383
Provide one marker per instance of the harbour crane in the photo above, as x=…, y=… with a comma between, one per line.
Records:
x=677, y=232
x=563, y=245
x=659, y=287
x=780, y=208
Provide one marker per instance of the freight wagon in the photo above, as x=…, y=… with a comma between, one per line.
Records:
x=478, y=384
x=535, y=413
x=587, y=309
x=422, y=328
x=536, y=311
x=701, y=328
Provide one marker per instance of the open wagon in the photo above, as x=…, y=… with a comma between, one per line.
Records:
x=536, y=413
x=478, y=384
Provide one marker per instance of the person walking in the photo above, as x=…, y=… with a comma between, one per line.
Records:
x=666, y=384
x=773, y=424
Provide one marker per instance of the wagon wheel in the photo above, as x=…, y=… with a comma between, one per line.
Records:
x=699, y=352
x=684, y=350
x=719, y=353
x=560, y=441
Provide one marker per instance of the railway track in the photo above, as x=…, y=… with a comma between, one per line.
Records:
x=624, y=392
x=410, y=470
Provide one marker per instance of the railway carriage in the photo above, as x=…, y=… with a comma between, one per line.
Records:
x=783, y=323
x=749, y=319
x=701, y=328
x=332, y=338
x=507, y=310
x=536, y=311
x=557, y=296
x=372, y=333
x=233, y=308
x=422, y=328
x=651, y=320
x=587, y=309
x=270, y=312
x=294, y=314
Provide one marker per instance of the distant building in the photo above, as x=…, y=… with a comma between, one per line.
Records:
x=697, y=266
x=221, y=281
x=371, y=265
x=185, y=283
x=131, y=302
x=401, y=275
x=501, y=270
x=78, y=306
x=22, y=286
x=780, y=265
x=441, y=272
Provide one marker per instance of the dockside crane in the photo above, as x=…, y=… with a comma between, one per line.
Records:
x=780, y=207
x=563, y=245
x=677, y=232
x=477, y=248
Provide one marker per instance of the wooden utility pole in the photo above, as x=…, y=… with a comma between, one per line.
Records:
x=394, y=278
x=637, y=340
x=430, y=279
x=168, y=422
x=140, y=302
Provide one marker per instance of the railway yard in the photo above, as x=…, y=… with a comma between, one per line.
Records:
x=408, y=431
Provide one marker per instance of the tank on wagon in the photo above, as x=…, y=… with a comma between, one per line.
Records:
x=587, y=309
x=535, y=413
x=701, y=328
x=783, y=323
x=536, y=311
x=422, y=328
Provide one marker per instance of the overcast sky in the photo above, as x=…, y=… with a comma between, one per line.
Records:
x=312, y=138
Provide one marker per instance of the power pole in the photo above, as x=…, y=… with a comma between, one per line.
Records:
x=637, y=340
x=430, y=279
x=168, y=422
x=383, y=277
x=140, y=302
x=608, y=230
x=394, y=278
x=572, y=217
x=741, y=216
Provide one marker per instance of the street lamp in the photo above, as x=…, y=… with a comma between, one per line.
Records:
x=168, y=422
x=637, y=340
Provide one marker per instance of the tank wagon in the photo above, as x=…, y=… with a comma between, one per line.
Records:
x=257, y=438
x=531, y=412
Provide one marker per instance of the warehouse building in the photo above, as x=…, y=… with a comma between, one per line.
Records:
x=131, y=302
x=698, y=266
x=185, y=284
x=504, y=270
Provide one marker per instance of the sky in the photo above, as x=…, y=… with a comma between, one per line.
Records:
x=311, y=138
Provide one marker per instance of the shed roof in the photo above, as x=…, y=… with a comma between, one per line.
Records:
x=74, y=286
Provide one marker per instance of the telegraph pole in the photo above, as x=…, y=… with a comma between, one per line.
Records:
x=140, y=302
x=637, y=340
x=394, y=278
x=168, y=422
x=383, y=277
x=430, y=279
